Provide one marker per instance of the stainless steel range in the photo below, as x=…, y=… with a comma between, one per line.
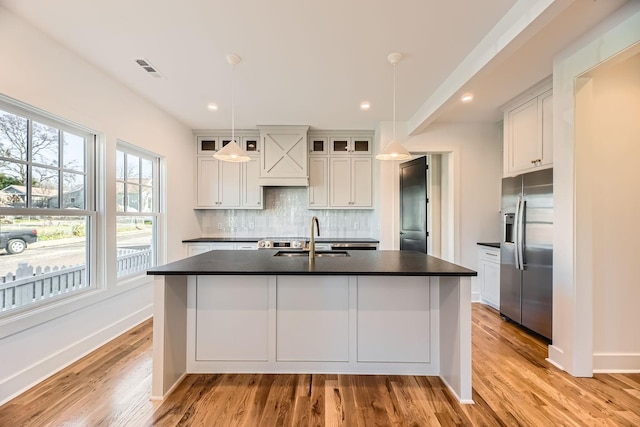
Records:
x=282, y=242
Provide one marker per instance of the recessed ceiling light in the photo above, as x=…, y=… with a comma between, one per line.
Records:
x=365, y=105
x=467, y=97
x=213, y=107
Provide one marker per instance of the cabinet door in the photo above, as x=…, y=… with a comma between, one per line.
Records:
x=523, y=136
x=318, y=145
x=340, y=182
x=491, y=283
x=229, y=184
x=207, y=144
x=546, y=106
x=251, y=144
x=232, y=318
x=252, y=192
x=318, y=182
x=361, y=145
x=207, y=183
x=339, y=145
x=361, y=186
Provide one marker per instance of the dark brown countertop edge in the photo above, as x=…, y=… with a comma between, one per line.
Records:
x=490, y=244
x=255, y=239
x=309, y=273
x=263, y=262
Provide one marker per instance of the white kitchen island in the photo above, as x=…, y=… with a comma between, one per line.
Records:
x=373, y=312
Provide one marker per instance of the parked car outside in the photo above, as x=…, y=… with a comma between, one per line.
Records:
x=16, y=241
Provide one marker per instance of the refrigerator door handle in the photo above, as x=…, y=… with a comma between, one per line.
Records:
x=520, y=235
x=516, y=233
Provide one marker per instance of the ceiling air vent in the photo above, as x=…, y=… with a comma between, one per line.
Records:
x=149, y=68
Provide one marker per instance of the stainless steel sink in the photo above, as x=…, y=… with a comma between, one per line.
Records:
x=319, y=254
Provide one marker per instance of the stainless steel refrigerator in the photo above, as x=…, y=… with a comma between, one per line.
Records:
x=526, y=251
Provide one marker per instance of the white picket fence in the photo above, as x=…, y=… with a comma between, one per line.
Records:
x=133, y=260
x=29, y=285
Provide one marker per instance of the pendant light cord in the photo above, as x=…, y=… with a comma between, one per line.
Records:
x=233, y=109
x=394, y=101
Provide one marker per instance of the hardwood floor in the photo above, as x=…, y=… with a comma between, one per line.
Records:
x=513, y=385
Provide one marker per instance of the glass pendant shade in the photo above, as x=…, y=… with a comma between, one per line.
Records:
x=232, y=153
x=394, y=151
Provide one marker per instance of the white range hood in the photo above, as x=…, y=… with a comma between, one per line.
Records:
x=284, y=156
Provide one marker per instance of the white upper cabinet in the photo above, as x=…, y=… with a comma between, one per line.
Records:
x=350, y=146
x=251, y=144
x=340, y=170
x=207, y=145
x=528, y=132
x=318, y=145
x=284, y=155
x=318, y=182
x=218, y=184
x=251, y=190
x=227, y=185
x=350, y=182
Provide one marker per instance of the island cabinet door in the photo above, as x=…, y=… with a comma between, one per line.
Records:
x=232, y=318
x=394, y=321
x=312, y=319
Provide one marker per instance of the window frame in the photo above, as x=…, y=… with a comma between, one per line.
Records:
x=58, y=304
x=156, y=212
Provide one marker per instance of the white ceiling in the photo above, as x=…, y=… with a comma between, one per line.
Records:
x=310, y=63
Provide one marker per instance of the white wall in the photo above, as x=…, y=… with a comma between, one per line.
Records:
x=580, y=224
x=472, y=161
x=614, y=154
x=39, y=72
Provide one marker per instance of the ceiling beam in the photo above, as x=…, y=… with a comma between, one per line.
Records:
x=525, y=19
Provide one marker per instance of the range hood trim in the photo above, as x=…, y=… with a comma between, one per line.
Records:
x=284, y=182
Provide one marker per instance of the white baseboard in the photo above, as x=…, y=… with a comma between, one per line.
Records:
x=475, y=296
x=173, y=387
x=34, y=374
x=556, y=357
x=616, y=363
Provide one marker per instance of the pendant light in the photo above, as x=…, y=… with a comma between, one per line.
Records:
x=232, y=151
x=394, y=150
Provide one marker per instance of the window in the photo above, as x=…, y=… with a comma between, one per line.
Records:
x=138, y=209
x=47, y=208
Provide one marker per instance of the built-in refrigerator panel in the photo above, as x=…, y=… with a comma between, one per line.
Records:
x=537, y=275
x=527, y=250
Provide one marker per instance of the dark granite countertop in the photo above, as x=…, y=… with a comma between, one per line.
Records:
x=222, y=239
x=263, y=262
x=490, y=244
x=255, y=239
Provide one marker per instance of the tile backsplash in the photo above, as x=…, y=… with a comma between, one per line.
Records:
x=286, y=214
